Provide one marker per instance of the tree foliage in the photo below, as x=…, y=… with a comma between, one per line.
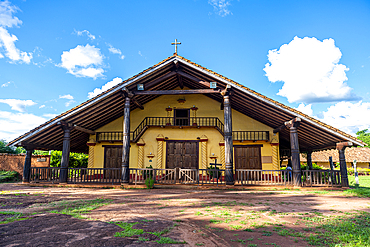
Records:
x=9, y=150
x=364, y=136
x=75, y=159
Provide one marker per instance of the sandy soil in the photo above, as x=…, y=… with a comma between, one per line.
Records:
x=199, y=217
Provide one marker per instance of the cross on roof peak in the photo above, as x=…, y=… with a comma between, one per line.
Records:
x=176, y=43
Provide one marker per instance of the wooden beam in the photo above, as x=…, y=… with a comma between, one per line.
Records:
x=193, y=78
x=127, y=93
x=179, y=78
x=36, y=146
x=177, y=92
x=160, y=79
x=285, y=125
x=84, y=130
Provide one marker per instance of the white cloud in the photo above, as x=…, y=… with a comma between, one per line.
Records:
x=310, y=71
x=6, y=15
x=105, y=87
x=16, y=124
x=50, y=115
x=18, y=104
x=80, y=33
x=115, y=51
x=348, y=117
x=67, y=96
x=6, y=84
x=83, y=61
x=7, y=40
x=306, y=109
x=42, y=106
x=220, y=7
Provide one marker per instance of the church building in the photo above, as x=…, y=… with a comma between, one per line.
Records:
x=180, y=115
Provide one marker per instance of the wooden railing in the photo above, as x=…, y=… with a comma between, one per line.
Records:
x=191, y=121
x=160, y=176
x=250, y=135
x=45, y=174
x=186, y=176
x=263, y=177
x=321, y=178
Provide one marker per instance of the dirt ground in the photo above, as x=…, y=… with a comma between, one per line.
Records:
x=248, y=217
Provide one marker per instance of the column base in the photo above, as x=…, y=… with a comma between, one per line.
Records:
x=25, y=182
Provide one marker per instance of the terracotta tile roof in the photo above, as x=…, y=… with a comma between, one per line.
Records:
x=92, y=99
x=359, y=154
x=273, y=101
x=203, y=68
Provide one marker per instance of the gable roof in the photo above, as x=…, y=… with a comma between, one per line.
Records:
x=107, y=106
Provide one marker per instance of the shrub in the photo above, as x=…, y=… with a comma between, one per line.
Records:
x=214, y=172
x=9, y=176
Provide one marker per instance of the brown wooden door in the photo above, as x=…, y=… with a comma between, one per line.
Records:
x=248, y=157
x=112, y=159
x=183, y=154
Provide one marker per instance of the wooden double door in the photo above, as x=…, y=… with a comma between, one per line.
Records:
x=112, y=159
x=248, y=157
x=182, y=154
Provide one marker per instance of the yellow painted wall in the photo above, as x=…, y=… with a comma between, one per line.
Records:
x=206, y=108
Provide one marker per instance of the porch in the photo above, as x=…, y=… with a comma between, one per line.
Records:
x=214, y=177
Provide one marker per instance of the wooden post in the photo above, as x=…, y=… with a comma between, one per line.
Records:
x=294, y=146
x=67, y=127
x=342, y=161
x=309, y=159
x=229, y=176
x=126, y=142
x=27, y=166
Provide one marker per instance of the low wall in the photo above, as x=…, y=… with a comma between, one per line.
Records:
x=15, y=162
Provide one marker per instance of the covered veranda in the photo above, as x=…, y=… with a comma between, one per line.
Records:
x=298, y=132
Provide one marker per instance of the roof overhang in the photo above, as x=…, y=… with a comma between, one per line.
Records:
x=169, y=74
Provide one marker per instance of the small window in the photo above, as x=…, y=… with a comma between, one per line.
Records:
x=181, y=117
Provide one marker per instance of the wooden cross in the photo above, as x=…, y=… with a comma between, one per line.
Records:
x=176, y=43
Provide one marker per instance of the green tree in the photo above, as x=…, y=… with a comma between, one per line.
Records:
x=364, y=136
x=6, y=149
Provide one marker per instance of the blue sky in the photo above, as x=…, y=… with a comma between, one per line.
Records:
x=310, y=55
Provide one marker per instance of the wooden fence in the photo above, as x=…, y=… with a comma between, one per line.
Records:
x=186, y=176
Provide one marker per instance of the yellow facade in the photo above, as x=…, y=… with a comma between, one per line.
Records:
x=207, y=107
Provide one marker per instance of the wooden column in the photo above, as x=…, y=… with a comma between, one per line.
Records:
x=126, y=142
x=229, y=176
x=342, y=161
x=309, y=159
x=67, y=128
x=294, y=146
x=27, y=165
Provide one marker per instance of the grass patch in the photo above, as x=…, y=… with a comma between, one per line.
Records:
x=13, y=216
x=166, y=240
x=77, y=208
x=361, y=190
x=127, y=229
x=343, y=231
x=9, y=176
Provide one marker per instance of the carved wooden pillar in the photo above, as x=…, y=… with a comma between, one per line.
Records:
x=160, y=140
x=27, y=165
x=294, y=146
x=229, y=176
x=67, y=128
x=309, y=159
x=126, y=142
x=342, y=161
